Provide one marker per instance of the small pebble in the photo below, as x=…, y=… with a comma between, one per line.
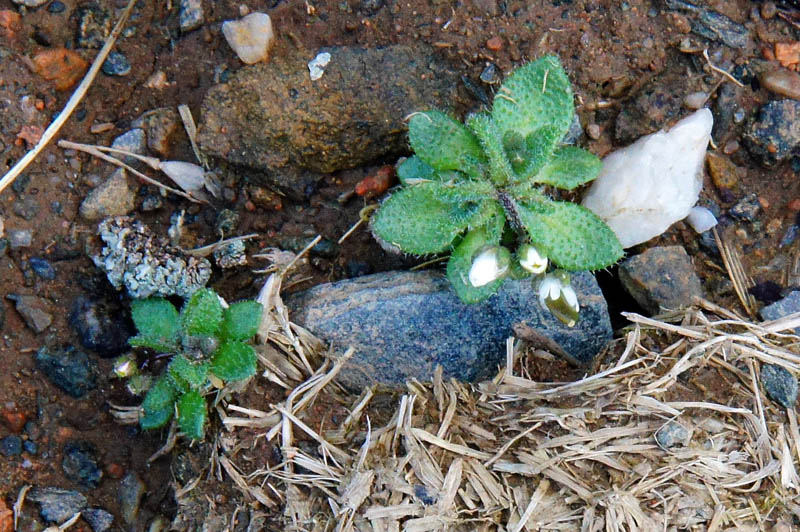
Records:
x=191, y=15
x=94, y=25
x=739, y=116
x=250, y=37
x=672, y=435
x=130, y=493
x=42, y=268
x=495, y=44
x=33, y=311
x=69, y=369
x=695, y=100
x=11, y=446
x=316, y=67
x=26, y=207
x=489, y=74
x=731, y=147
x=56, y=6
x=151, y=203
x=593, y=131
x=783, y=82
x=19, y=238
x=13, y=417
x=768, y=10
x=780, y=385
x=30, y=3
x=747, y=209
x=116, y=65
x=56, y=505
x=30, y=447
x=99, y=519
x=133, y=141
x=80, y=464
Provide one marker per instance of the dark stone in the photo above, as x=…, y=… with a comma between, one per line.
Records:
x=116, y=64
x=42, y=268
x=11, y=446
x=403, y=324
x=489, y=74
x=661, y=278
x=370, y=7
x=767, y=291
x=99, y=519
x=93, y=26
x=56, y=7
x=226, y=222
x=712, y=25
x=190, y=15
x=780, y=385
x=69, y=369
x=133, y=141
x=776, y=132
x=278, y=121
x=357, y=268
x=672, y=435
x=80, y=464
x=652, y=108
x=152, y=203
x=130, y=493
x=30, y=447
x=56, y=505
x=103, y=327
x=724, y=106
x=746, y=209
x=788, y=305
x=162, y=126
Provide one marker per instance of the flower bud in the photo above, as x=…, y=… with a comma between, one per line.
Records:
x=125, y=366
x=531, y=260
x=489, y=265
x=556, y=294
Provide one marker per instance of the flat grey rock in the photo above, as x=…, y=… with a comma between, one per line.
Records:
x=783, y=307
x=403, y=324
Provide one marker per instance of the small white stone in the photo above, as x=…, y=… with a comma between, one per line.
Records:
x=250, y=37
x=701, y=219
x=316, y=67
x=651, y=184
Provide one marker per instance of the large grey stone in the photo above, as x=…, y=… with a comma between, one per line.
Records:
x=404, y=324
x=274, y=118
x=661, y=278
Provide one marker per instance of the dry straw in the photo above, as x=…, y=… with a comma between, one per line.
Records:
x=514, y=454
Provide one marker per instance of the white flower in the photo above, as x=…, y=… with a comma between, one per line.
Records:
x=556, y=294
x=531, y=260
x=489, y=265
x=125, y=366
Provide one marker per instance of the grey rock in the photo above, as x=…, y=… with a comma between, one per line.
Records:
x=672, y=435
x=746, y=209
x=489, y=74
x=776, y=132
x=19, y=238
x=191, y=15
x=69, y=369
x=780, y=385
x=34, y=311
x=116, y=64
x=278, y=121
x=134, y=141
x=713, y=26
x=788, y=305
x=80, y=464
x=231, y=255
x=42, y=268
x=113, y=197
x=403, y=324
x=94, y=26
x=11, y=446
x=103, y=327
x=56, y=505
x=661, y=278
x=31, y=3
x=146, y=264
x=161, y=126
x=130, y=493
x=27, y=208
x=99, y=519
x=56, y=6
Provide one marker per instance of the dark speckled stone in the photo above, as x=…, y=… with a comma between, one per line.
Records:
x=404, y=324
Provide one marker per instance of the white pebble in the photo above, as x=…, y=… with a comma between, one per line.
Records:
x=250, y=37
x=651, y=184
x=190, y=177
x=701, y=219
x=695, y=100
x=316, y=67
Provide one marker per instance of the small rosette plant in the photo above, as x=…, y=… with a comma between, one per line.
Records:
x=481, y=191
x=208, y=343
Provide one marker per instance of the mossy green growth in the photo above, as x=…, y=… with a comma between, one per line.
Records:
x=207, y=341
x=486, y=183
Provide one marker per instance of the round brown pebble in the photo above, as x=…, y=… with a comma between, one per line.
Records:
x=768, y=10
x=593, y=131
x=115, y=470
x=495, y=44
x=731, y=147
x=13, y=418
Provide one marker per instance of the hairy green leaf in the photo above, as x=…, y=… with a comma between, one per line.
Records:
x=234, y=361
x=240, y=321
x=460, y=263
x=157, y=321
x=158, y=404
x=413, y=170
x=444, y=143
x=535, y=95
x=423, y=219
x=569, y=235
x=536, y=150
x=187, y=374
x=202, y=314
x=570, y=167
x=490, y=137
x=192, y=414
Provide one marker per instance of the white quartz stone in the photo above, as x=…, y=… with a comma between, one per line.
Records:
x=250, y=37
x=651, y=184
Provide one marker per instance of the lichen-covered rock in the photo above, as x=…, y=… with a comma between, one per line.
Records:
x=274, y=118
x=403, y=324
x=146, y=264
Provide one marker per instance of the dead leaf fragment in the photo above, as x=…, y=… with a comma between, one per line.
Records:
x=787, y=53
x=60, y=65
